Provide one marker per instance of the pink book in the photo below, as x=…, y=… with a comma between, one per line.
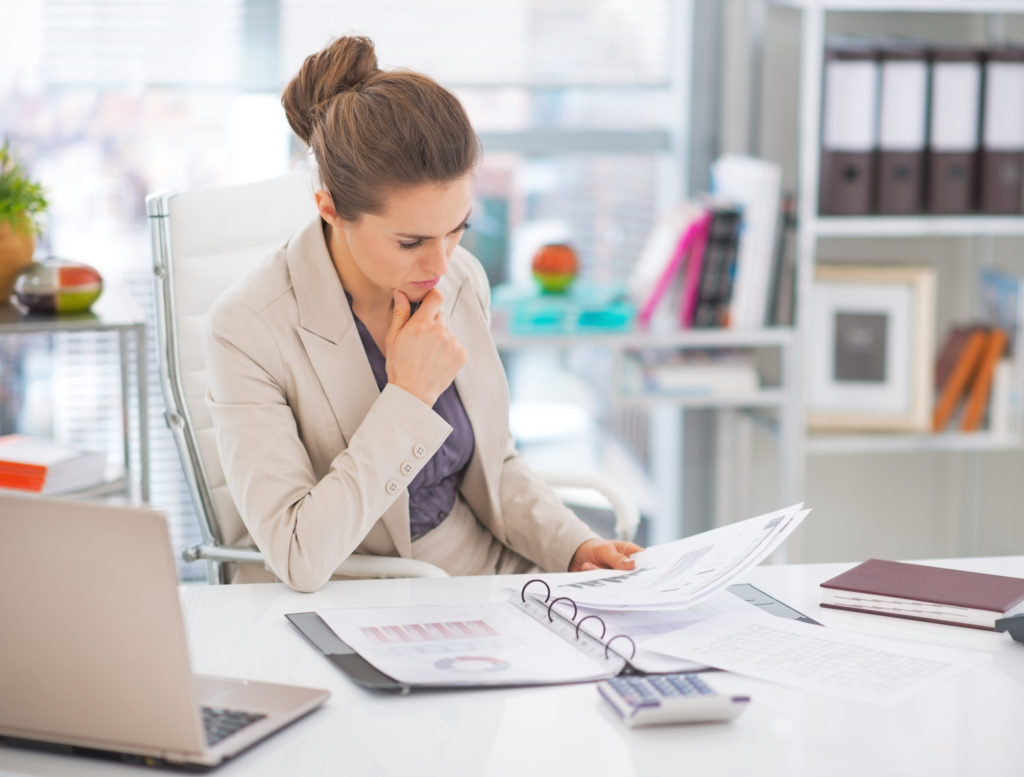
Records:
x=675, y=264
x=691, y=284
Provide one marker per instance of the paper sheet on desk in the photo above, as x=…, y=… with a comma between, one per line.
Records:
x=679, y=574
x=643, y=626
x=815, y=658
x=468, y=644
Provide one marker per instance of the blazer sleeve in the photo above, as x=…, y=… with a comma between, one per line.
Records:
x=305, y=527
x=536, y=522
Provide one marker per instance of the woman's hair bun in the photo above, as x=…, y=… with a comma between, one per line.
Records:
x=345, y=64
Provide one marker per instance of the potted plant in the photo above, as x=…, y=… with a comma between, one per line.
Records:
x=22, y=203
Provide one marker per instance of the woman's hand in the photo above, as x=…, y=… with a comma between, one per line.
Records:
x=422, y=355
x=603, y=554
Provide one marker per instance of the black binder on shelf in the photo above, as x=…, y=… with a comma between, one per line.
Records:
x=559, y=614
x=714, y=291
x=902, y=128
x=953, y=129
x=849, y=128
x=1002, y=132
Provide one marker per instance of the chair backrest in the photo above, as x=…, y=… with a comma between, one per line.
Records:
x=204, y=240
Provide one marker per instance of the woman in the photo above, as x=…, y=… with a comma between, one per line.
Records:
x=357, y=396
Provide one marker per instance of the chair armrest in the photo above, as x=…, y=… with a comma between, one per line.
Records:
x=356, y=565
x=627, y=514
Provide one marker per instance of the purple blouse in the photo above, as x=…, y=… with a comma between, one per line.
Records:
x=432, y=492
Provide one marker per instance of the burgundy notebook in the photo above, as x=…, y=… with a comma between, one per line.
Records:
x=925, y=593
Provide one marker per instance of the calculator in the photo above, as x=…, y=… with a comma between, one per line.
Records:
x=645, y=700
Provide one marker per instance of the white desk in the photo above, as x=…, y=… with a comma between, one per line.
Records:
x=969, y=727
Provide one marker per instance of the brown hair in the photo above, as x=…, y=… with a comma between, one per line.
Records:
x=372, y=130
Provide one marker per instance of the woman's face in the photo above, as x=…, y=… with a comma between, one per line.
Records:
x=408, y=244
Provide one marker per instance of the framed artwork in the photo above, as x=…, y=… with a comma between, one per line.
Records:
x=871, y=345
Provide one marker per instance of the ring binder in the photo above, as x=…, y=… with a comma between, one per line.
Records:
x=620, y=636
x=557, y=599
x=598, y=618
x=601, y=641
x=522, y=591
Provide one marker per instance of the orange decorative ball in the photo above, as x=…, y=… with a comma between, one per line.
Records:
x=555, y=266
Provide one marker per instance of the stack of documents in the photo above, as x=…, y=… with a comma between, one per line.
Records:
x=543, y=635
x=671, y=613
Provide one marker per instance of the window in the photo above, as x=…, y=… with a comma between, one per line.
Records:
x=577, y=103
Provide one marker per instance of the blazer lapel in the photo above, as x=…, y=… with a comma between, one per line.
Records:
x=329, y=335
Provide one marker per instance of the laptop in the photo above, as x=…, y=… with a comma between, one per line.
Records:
x=93, y=654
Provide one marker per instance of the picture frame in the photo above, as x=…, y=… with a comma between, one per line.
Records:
x=871, y=345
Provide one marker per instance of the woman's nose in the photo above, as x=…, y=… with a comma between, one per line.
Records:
x=437, y=260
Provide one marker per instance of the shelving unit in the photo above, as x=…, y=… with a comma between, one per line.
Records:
x=816, y=18
x=812, y=227
x=778, y=398
x=117, y=315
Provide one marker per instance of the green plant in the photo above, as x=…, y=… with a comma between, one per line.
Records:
x=22, y=200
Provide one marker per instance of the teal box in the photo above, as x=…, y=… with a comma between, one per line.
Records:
x=585, y=307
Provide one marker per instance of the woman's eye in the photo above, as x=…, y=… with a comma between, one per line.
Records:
x=410, y=246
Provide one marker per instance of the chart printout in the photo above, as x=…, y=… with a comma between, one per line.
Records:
x=474, y=644
x=681, y=573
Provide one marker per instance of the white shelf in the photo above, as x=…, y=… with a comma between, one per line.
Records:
x=763, y=398
x=112, y=486
x=687, y=338
x=906, y=6
x=916, y=226
x=859, y=444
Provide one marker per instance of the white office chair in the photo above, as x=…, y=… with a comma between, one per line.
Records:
x=202, y=241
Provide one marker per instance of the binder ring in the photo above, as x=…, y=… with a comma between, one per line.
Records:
x=522, y=591
x=558, y=599
x=604, y=628
x=619, y=636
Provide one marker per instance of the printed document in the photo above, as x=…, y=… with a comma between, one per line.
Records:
x=682, y=573
x=483, y=644
x=815, y=658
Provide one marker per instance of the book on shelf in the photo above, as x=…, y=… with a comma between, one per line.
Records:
x=925, y=593
x=968, y=358
x=717, y=275
x=1001, y=400
x=782, y=298
x=553, y=629
x=950, y=351
x=691, y=373
x=1001, y=303
x=656, y=283
x=977, y=401
x=683, y=265
x=753, y=186
x=44, y=466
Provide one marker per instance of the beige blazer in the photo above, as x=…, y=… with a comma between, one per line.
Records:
x=317, y=459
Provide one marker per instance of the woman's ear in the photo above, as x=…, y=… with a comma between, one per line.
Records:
x=325, y=205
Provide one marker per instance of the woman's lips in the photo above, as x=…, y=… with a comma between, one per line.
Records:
x=425, y=285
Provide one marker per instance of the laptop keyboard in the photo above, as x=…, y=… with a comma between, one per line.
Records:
x=220, y=722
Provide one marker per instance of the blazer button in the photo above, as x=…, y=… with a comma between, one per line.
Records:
x=405, y=467
x=392, y=487
x=419, y=450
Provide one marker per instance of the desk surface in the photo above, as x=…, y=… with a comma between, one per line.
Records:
x=969, y=726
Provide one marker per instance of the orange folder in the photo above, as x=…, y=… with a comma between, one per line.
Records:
x=959, y=378
x=981, y=388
